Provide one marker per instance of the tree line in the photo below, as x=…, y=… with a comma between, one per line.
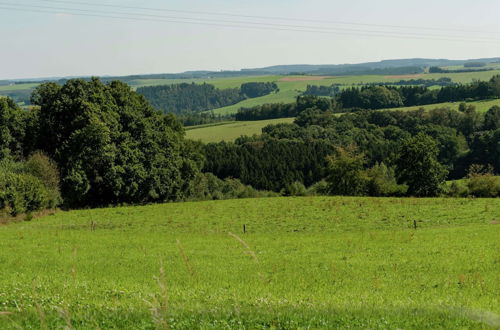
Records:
x=467, y=68
x=191, y=98
x=389, y=152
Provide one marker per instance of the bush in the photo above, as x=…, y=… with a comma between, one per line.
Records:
x=29, y=186
x=295, y=189
x=42, y=167
x=22, y=193
x=482, y=182
x=320, y=188
x=207, y=186
x=382, y=182
x=457, y=189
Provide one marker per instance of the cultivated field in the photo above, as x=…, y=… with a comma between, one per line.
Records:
x=229, y=131
x=316, y=262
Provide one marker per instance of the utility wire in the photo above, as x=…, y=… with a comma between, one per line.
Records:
x=315, y=28
x=268, y=17
x=90, y=13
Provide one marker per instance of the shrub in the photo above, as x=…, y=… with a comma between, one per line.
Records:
x=320, y=188
x=207, y=186
x=42, y=167
x=295, y=189
x=457, y=189
x=482, y=182
x=22, y=193
x=382, y=182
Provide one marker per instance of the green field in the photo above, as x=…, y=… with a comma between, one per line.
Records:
x=229, y=131
x=481, y=106
x=315, y=262
x=18, y=87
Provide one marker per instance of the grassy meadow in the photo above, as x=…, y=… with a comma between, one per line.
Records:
x=229, y=131
x=312, y=262
x=481, y=106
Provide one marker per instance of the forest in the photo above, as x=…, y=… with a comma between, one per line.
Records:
x=192, y=98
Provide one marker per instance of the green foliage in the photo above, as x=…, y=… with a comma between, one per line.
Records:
x=346, y=175
x=419, y=168
x=295, y=189
x=457, y=189
x=268, y=164
x=492, y=119
x=45, y=169
x=21, y=193
x=207, y=186
x=24, y=189
x=382, y=182
x=185, y=97
x=111, y=146
x=257, y=89
x=192, y=98
x=11, y=129
x=482, y=183
x=474, y=65
x=330, y=91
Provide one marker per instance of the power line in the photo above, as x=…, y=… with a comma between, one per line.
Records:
x=241, y=24
x=268, y=17
x=314, y=28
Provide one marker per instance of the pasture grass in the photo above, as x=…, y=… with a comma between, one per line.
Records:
x=481, y=106
x=230, y=131
x=17, y=87
x=314, y=262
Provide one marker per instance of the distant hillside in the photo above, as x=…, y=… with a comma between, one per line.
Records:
x=369, y=66
x=389, y=67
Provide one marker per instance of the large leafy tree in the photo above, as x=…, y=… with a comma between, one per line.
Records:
x=111, y=145
x=346, y=175
x=418, y=166
x=11, y=128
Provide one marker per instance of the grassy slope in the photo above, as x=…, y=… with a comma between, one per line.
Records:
x=229, y=131
x=309, y=262
x=481, y=106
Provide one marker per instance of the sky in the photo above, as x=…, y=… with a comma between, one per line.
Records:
x=46, y=38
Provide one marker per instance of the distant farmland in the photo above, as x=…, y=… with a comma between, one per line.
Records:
x=229, y=131
x=290, y=86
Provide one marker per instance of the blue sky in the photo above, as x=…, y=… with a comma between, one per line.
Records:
x=61, y=44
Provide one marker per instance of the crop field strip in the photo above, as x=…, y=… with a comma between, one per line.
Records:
x=317, y=262
x=229, y=131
